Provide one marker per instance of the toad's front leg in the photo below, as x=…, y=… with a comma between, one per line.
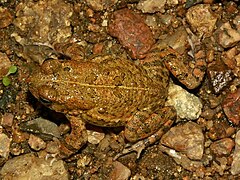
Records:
x=149, y=128
x=76, y=139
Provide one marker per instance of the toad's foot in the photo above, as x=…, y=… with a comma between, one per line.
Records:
x=76, y=139
x=140, y=145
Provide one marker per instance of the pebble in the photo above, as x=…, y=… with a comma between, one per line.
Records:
x=190, y=3
x=31, y=167
x=187, y=138
x=235, y=167
x=229, y=56
x=95, y=136
x=151, y=6
x=42, y=127
x=222, y=147
x=7, y=120
x=132, y=32
x=220, y=165
x=4, y=64
x=220, y=130
x=53, y=147
x=228, y=36
x=231, y=107
x=36, y=143
x=99, y=5
x=202, y=19
x=4, y=145
x=119, y=172
x=178, y=40
x=155, y=164
x=5, y=17
x=187, y=105
x=219, y=75
x=183, y=160
x=84, y=161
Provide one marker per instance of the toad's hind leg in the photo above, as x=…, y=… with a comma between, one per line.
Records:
x=152, y=129
x=76, y=139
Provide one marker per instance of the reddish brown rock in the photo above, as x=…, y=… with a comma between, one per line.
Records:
x=231, y=107
x=7, y=120
x=187, y=138
x=119, y=172
x=222, y=147
x=4, y=64
x=132, y=32
x=220, y=129
x=228, y=57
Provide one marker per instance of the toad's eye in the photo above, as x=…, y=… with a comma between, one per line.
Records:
x=68, y=69
x=44, y=101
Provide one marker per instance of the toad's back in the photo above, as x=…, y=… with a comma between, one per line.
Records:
x=104, y=91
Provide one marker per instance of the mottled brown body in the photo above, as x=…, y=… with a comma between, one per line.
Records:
x=105, y=91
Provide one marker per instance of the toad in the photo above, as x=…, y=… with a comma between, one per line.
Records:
x=107, y=91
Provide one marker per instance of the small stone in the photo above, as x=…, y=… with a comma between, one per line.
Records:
x=97, y=48
x=84, y=161
x=187, y=105
x=53, y=147
x=154, y=164
x=222, y=147
x=209, y=113
x=201, y=19
x=19, y=136
x=220, y=76
x=30, y=167
x=99, y=5
x=151, y=6
x=5, y=17
x=229, y=57
x=119, y=172
x=36, y=143
x=187, y=138
x=228, y=36
x=190, y=3
x=7, y=120
x=16, y=149
x=220, y=130
x=231, y=107
x=95, y=136
x=178, y=40
x=182, y=159
x=4, y=145
x=42, y=127
x=236, y=21
x=132, y=32
x=4, y=64
x=220, y=165
x=231, y=7
x=235, y=167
